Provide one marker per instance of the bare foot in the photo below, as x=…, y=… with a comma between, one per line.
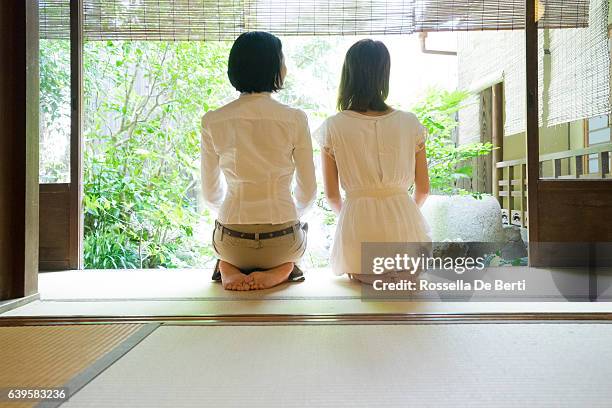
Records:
x=369, y=279
x=232, y=278
x=270, y=278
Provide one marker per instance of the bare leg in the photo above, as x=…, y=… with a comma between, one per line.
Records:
x=270, y=278
x=231, y=277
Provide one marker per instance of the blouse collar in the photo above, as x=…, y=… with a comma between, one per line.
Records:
x=254, y=94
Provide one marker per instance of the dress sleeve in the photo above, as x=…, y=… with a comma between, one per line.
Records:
x=421, y=136
x=323, y=138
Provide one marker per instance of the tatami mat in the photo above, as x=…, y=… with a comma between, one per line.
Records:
x=52, y=356
x=195, y=284
x=181, y=284
x=484, y=365
x=192, y=293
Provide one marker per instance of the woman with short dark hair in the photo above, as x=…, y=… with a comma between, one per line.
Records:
x=376, y=153
x=251, y=150
x=256, y=63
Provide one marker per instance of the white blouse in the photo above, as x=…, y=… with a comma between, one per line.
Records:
x=251, y=150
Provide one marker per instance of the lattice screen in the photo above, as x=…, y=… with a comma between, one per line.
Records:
x=225, y=19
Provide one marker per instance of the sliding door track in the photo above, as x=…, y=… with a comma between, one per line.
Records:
x=283, y=319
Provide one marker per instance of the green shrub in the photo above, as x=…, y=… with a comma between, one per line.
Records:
x=142, y=148
x=447, y=162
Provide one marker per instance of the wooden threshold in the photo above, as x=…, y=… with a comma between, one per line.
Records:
x=358, y=318
x=7, y=305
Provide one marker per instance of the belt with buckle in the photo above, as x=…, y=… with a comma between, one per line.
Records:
x=262, y=235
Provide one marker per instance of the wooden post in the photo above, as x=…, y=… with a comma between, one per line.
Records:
x=76, y=85
x=604, y=164
x=523, y=195
x=497, y=134
x=579, y=166
x=533, y=131
x=556, y=168
x=510, y=206
x=19, y=94
x=484, y=164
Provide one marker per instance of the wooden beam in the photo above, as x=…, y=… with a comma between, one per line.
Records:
x=510, y=203
x=332, y=318
x=497, y=132
x=522, y=194
x=556, y=168
x=604, y=164
x=579, y=166
x=76, y=86
x=509, y=163
x=19, y=93
x=533, y=131
x=484, y=164
x=565, y=154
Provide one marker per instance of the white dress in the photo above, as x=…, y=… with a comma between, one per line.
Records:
x=375, y=156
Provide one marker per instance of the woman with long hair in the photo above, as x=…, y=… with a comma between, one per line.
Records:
x=376, y=153
x=251, y=150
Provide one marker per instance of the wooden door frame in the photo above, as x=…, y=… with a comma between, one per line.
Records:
x=532, y=127
x=75, y=251
x=61, y=215
x=565, y=216
x=19, y=154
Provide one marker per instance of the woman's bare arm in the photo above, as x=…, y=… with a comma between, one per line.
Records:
x=421, y=178
x=330, y=181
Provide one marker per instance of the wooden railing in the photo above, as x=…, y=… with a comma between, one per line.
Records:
x=512, y=177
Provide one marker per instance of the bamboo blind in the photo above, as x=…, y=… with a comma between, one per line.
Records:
x=54, y=19
x=469, y=120
x=577, y=80
x=225, y=19
x=483, y=54
x=469, y=15
x=580, y=69
x=491, y=38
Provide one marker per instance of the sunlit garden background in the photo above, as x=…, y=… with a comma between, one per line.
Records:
x=141, y=149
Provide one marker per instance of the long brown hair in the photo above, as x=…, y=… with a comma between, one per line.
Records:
x=364, y=84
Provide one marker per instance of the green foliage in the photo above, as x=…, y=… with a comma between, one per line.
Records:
x=54, y=77
x=142, y=148
x=54, y=111
x=447, y=162
x=311, y=61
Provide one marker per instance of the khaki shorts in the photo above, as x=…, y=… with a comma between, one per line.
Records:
x=252, y=254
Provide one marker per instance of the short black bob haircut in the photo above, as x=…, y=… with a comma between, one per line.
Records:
x=364, y=84
x=255, y=63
